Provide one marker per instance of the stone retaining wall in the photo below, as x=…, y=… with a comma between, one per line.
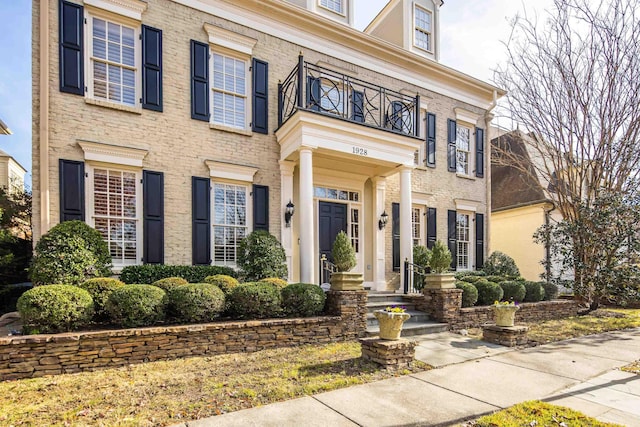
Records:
x=39, y=355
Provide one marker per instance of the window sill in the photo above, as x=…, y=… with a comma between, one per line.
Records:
x=469, y=177
x=224, y=128
x=114, y=106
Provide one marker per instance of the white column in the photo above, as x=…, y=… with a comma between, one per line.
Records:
x=406, y=240
x=436, y=39
x=378, y=202
x=286, y=194
x=307, y=245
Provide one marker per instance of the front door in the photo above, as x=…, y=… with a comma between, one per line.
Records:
x=332, y=219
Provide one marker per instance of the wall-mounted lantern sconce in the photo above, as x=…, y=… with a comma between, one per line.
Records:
x=382, y=223
x=288, y=213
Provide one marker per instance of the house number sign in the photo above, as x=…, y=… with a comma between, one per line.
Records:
x=359, y=151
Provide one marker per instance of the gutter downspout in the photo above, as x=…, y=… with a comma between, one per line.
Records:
x=45, y=203
x=488, y=116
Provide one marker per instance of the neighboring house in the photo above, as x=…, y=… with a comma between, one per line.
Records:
x=11, y=174
x=4, y=129
x=177, y=127
x=520, y=205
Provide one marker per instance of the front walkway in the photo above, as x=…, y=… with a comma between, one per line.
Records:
x=473, y=378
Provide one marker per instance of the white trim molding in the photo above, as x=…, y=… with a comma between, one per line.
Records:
x=130, y=8
x=230, y=171
x=116, y=154
x=466, y=205
x=467, y=116
x=228, y=39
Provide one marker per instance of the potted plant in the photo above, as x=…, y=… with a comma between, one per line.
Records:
x=344, y=258
x=440, y=262
x=505, y=313
x=391, y=320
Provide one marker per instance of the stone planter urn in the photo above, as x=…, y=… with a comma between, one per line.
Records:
x=390, y=323
x=346, y=281
x=505, y=314
x=439, y=281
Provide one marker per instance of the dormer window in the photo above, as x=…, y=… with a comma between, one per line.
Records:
x=423, y=28
x=333, y=5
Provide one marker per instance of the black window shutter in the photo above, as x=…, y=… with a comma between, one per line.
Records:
x=479, y=153
x=153, y=217
x=357, y=106
x=431, y=140
x=71, y=190
x=395, y=233
x=151, y=68
x=395, y=119
x=314, y=88
x=260, y=207
x=260, y=96
x=431, y=227
x=479, y=241
x=451, y=145
x=71, y=48
x=199, y=81
x=201, y=212
x=452, y=239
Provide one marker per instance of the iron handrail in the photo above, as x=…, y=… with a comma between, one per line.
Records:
x=414, y=283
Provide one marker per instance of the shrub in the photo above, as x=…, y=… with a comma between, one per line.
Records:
x=71, y=252
x=535, y=292
x=469, y=293
x=496, y=279
x=224, y=282
x=421, y=256
x=501, y=264
x=513, y=291
x=488, y=292
x=199, y=302
x=55, y=308
x=344, y=256
x=473, y=279
x=440, y=260
x=275, y=281
x=303, y=300
x=550, y=290
x=9, y=295
x=462, y=275
x=170, y=283
x=137, y=305
x=261, y=255
x=149, y=273
x=254, y=301
x=100, y=288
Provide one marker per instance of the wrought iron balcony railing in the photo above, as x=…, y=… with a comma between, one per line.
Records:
x=317, y=89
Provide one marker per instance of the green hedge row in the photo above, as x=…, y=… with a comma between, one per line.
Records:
x=149, y=273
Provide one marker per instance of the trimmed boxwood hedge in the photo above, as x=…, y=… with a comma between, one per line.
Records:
x=149, y=273
x=276, y=281
x=196, y=302
x=513, y=291
x=137, y=305
x=303, y=300
x=469, y=293
x=550, y=290
x=100, y=288
x=254, y=300
x=535, y=292
x=55, y=308
x=170, y=283
x=224, y=282
x=488, y=292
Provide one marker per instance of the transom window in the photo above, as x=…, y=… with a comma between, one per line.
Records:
x=229, y=221
x=333, y=5
x=229, y=91
x=463, y=148
x=422, y=38
x=113, y=63
x=115, y=213
x=464, y=239
x=335, y=194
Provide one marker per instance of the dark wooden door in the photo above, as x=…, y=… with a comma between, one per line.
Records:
x=332, y=219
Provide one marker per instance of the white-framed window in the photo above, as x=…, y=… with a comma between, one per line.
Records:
x=417, y=225
x=16, y=183
x=463, y=149
x=230, y=88
x=355, y=229
x=332, y=97
x=113, y=68
x=230, y=219
x=333, y=5
x=115, y=210
x=463, y=235
x=423, y=23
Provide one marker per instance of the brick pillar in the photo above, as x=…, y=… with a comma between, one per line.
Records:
x=443, y=305
x=352, y=307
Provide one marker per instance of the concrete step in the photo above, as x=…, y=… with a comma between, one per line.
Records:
x=416, y=316
x=387, y=297
x=413, y=328
x=373, y=306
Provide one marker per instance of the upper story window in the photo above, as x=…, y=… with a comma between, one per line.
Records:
x=463, y=149
x=333, y=5
x=423, y=28
x=113, y=71
x=229, y=91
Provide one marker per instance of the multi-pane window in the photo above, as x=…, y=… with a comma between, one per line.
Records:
x=355, y=229
x=333, y=5
x=113, y=62
x=464, y=239
x=116, y=214
x=416, y=226
x=229, y=221
x=463, y=147
x=422, y=29
x=229, y=91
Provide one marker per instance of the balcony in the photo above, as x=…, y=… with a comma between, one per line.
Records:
x=323, y=91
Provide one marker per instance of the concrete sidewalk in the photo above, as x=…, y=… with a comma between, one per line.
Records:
x=473, y=378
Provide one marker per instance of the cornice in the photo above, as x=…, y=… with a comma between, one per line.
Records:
x=230, y=171
x=229, y=39
x=116, y=154
x=129, y=8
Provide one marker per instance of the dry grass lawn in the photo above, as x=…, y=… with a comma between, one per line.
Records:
x=163, y=393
